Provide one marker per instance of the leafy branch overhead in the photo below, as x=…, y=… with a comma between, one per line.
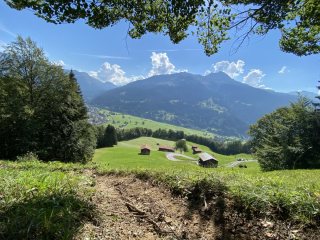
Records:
x=211, y=21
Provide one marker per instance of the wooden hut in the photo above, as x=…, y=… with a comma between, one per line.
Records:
x=166, y=149
x=206, y=160
x=196, y=150
x=145, y=150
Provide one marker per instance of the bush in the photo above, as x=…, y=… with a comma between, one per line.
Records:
x=29, y=156
x=288, y=138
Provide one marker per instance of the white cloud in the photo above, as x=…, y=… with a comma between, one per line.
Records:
x=7, y=31
x=114, y=73
x=283, y=70
x=161, y=64
x=233, y=69
x=110, y=73
x=254, y=78
x=59, y=63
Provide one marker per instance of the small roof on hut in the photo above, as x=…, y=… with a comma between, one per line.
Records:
x=166, y=148
x=197, y=150
x=206, y=157
x=145, y=146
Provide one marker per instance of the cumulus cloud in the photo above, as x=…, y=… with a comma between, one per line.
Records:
x=283, y=70
x=233, y=69
x=161, y=64
x=114, y=73
x=110, y=73
x=59, y=63
x=254, y=78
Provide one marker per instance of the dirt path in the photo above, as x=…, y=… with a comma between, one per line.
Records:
x=133, y=209
x=172, y=157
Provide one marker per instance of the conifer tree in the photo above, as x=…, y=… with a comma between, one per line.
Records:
x=110, y=136
x=41, y=107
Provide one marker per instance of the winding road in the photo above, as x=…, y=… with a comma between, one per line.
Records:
x=172, y=157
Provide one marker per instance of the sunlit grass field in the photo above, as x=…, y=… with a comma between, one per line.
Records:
x=125, y=156
x=296, y=192
x=43, y=201
x=53, y=199
x=124, y=121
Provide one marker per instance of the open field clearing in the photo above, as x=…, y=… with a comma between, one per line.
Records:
x=125, y=121
x=294, y=192
x=124, y=195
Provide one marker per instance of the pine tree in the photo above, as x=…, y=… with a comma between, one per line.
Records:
x=41, y=108
x=110, y=136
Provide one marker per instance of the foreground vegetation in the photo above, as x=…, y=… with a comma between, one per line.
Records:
x=43, y=201
x=293, y=195
x=52, y=200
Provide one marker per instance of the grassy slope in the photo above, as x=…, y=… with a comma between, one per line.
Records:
x=295, y=192
x=126, y=156
x=52, y=200
x=46, y=201
x=124, y=121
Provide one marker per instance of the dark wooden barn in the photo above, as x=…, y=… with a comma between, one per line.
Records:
x=196, y=150
x=145, y=150
x=206, y=160
x=166, y=149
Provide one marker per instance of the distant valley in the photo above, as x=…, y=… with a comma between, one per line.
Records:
x=215, y=103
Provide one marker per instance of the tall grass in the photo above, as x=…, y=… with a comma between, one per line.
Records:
x=261, y=195
x=37, y=203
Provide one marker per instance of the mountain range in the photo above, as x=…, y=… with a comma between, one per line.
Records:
x=214, y=102
x=91, y=87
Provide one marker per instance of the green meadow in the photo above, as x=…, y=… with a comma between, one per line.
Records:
x=124, y=121
x=295, y=192
x=53, y=199
x=125, y=156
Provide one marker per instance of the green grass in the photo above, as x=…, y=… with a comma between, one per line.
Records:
x=125, y=156
x=293, y=195
x=52, y=200
x=124, y=121
x=37, y=201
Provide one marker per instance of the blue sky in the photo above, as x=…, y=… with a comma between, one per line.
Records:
x=110, y=55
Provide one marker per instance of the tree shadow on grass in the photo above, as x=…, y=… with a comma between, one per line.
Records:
x=208, y=199
x=48, y=217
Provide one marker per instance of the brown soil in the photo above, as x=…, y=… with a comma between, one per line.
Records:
x=133, y=209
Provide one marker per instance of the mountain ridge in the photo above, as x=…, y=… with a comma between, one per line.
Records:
x=90, y=86
x=214, y=102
